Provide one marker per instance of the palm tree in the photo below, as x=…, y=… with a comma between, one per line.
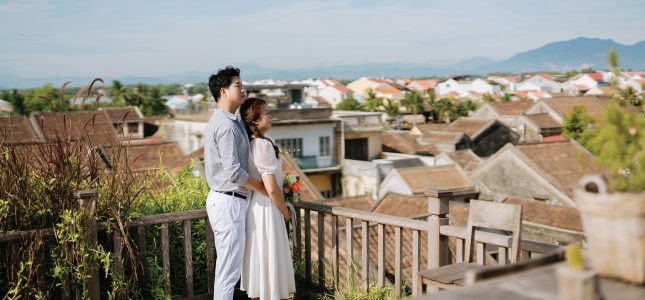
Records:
x=412, y=101
x=118, y=91
x=446, y=109
x=506, y=97
x=488, y=98
x=613, y=61
x=629, y=95
x=392, y=108
x=370, y=101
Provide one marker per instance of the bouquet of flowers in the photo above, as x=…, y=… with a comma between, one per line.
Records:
x=291, y=188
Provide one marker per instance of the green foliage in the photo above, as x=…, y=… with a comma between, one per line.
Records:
x=117, y=91
x=446, y=109
x=620, y=146
x=612, y=59
x=352, y=289
x=506, y=97
x=576, y=126
x=17, y=100
x=488, y=98
x=371, y=102
x=349, y=103
x=412, y=101
x=392, y=108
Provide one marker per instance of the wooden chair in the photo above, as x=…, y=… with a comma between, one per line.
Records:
x=500, y=216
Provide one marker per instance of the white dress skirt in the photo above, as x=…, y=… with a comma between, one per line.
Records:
x=267, y=270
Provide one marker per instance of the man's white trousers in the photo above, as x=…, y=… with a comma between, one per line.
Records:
x=227, y=215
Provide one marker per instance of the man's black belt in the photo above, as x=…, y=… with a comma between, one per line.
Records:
x=234, y=194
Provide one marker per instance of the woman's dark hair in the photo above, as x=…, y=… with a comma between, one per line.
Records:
x=251, y=111
x=222, y=79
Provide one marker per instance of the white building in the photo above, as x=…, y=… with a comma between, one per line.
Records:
x=544, y=78
x=334, y=94
x=534, y=86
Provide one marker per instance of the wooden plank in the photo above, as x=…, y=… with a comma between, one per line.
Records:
x=210, y=256
x=525, y=255
x=165, y=255
x=363, y=215
x=334, y=249
x=398, y=274
x=118, y=248
x=365, y=255
x=297, y=239
x=449, y=274
x=308, y=245
x=498, y=240
x=349, y=237
x=321, y=249
x=188, y=255
x=416, y=249
x=481, y=254
x=170, y=217
x=143, y=265
x=502, y=256
x=381, y=255
x=485, y=274
x=459, y=243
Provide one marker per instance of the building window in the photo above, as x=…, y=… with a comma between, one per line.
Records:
x=292, y=146
x=326, y=193
x=133, y=127
x=325, y=147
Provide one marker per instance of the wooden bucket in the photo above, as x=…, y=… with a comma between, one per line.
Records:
x=615, y=228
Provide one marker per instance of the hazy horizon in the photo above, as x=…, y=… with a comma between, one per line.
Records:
x=160, y=38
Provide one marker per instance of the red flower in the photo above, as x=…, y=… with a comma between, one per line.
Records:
x=286, y=189
x=295, y=187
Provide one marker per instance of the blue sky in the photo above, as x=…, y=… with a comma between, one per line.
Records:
x=41, y=38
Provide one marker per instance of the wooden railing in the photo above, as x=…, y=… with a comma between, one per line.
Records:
x=437, y=229
x=438, y=233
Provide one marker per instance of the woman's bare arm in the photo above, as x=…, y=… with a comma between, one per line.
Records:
x=275, y=192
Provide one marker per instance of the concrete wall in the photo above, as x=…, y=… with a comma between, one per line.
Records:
x=551, y=235
x=506, y=175
x=375, y=148
x=309, y=133
x=493, y=139
x=188, y=135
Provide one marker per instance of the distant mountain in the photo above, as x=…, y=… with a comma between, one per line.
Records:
x=580, y=53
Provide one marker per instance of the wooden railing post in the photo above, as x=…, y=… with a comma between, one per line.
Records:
x=438, y=248
x=87, y=201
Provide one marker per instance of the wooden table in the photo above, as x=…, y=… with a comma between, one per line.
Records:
x=540, y=283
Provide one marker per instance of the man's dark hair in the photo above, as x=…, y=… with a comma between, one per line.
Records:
x=221, y=80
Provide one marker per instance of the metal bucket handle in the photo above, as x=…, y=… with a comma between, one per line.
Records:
x=600, y=184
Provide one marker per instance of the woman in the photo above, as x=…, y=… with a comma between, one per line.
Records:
x=267, y=270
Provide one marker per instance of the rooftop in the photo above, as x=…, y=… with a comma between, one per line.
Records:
x=446, y=177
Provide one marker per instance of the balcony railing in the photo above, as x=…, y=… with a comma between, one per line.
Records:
x=402, y=236
x=317, y=162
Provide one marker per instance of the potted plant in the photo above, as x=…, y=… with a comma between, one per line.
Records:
x=612, y=207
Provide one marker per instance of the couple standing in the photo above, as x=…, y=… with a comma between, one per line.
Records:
x=250, y=236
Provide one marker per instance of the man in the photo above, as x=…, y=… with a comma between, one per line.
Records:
x=226, y=155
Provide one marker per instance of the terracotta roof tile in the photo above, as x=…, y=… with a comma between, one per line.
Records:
x=16, y=130
x=471, y=166
x=440, y=136
x=545, y=75
x=595, y=76
x=341, y=88
x=468, y=126
x=406, y=143
x=547, y=214
x=388, y=91
x=363, y=202
x=79, y=125
x=565, y=162
x=564, y=105
x=511, y=108
x=168, y=153
x=543, y=121
x=463, y=157
x=420, y=179
x=185, y=161
x=430, y=150
x=117, y=113
x=581, y=87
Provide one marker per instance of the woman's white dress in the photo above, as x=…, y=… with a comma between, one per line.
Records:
x=267, y=271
